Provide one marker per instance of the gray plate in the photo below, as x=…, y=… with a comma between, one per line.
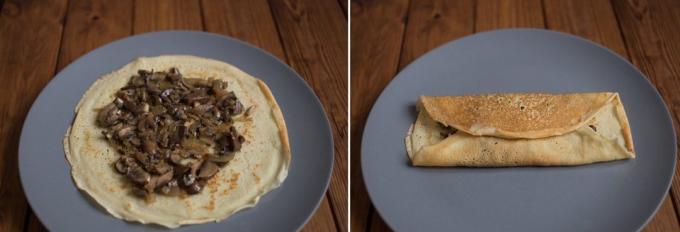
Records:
x=613, y=196
x=61, y=207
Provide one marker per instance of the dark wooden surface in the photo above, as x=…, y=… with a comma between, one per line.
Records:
x=388, y=35
x=40, y=37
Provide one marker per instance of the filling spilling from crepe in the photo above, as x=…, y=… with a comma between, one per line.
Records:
x=173, y=133
x=526, y=129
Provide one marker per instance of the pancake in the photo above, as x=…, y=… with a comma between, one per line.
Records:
x=260, y=166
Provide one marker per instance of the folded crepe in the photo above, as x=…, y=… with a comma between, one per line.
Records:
x=519, y=129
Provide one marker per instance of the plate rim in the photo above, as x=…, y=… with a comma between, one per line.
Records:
x=420, y=59
x=57, y=77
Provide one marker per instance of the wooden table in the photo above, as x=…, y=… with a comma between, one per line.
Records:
x=39, y=38
x=388, y=35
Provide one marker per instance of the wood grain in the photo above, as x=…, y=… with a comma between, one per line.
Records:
x=322, y=220
x=89, y=24
x=314, y=36
x=249, y=21
x=496, y=14
x=665, y=219
x=650, y=31
x=156, y=15
x=434, y=22
x=34, y=225
x=30, y=33
x=593, y=20
x=377, y=32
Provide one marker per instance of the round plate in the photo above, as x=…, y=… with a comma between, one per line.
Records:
x=611, y=196
x=45, y=173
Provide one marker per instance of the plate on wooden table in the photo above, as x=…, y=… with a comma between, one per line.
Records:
x=45, y=173
x=612, y=196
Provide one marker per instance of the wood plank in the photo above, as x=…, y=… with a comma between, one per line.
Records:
x=378, y=225
x=155, y=15
x=434, y=22
x=314, y=36
x=89, y=24
x=650, y=31
x=322, y=220
x=377, y=32
x=665, y=219
x=30, y=33
x=34, y=225
x=596, y=21
x=430, y=24
x=593, y=20
x=496, y=14
x=250, y=21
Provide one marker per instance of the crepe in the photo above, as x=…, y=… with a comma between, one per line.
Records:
x=260, y=166
x=520, y=129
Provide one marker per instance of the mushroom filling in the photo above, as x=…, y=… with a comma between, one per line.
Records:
x=172, y=133
x=447, y=130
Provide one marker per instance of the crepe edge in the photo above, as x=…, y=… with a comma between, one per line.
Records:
x=408, y=142
x=625, y=126
x=278, y=117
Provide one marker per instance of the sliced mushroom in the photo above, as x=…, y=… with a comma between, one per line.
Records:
x=118, y=102
x=146, y=123
x=195, y=188
x=121, y=167
x=108, y=116
x=153, y=88
x=139, y=192
x=162, y=167
x=137, y=81
x=195, y=166
x=135, y=107
x=180, y=169
x=125, y=132
x=142, y=158
x=166, y=93
x=236, y=109
x=202, y=109
x=150, y=145
x=138, y=175
x=176, y=158
x=171, y=188
x=158, y=180
x=158, y=110
x=188, y=179
x=164, y=179
x=208, y=169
